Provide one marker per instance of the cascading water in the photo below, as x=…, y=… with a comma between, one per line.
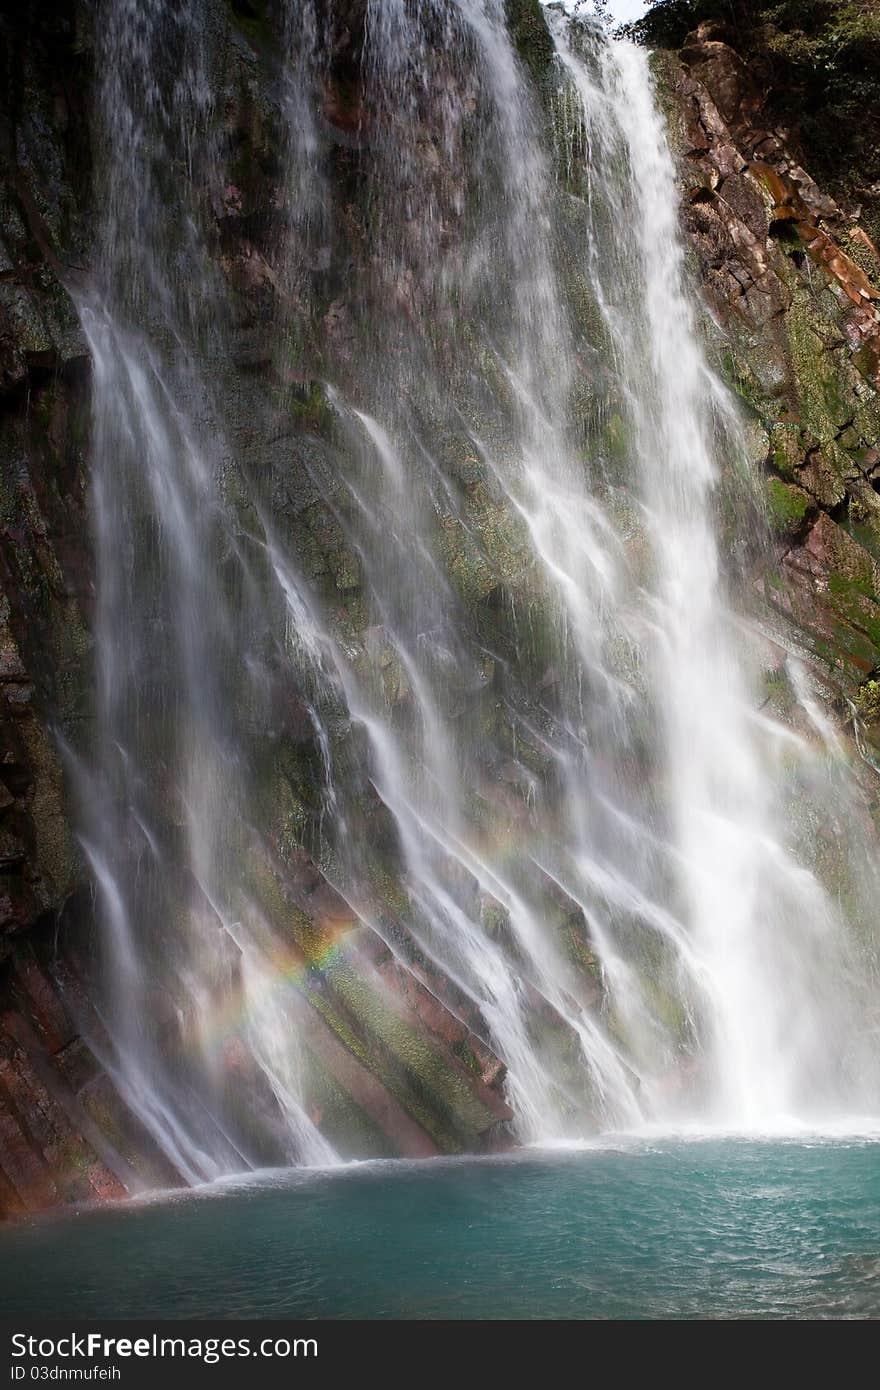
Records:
x=545, y=784
x=766, y=954
x=184, y=938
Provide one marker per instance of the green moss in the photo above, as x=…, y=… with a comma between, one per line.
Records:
x=740, y=377
x=788, y=506
x=777, y=688
x=785, y=450
x=311, y=410
x=389, y=888
x=424, y=1113
x=435, y=1080
x=465, y=1053
x=857, y=631
x=844, y=585
x=530, y=35
x=341, y=1120
x=615, y=438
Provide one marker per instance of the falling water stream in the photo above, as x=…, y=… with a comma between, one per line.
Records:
x=593, y=824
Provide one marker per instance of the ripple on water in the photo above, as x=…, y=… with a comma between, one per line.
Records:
x=646, y=1228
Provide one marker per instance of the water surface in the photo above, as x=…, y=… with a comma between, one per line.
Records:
x=651, y=1229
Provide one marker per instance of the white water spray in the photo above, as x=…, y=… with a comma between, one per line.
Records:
x=541, y=726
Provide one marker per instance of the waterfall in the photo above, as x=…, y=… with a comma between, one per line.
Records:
x=166, y=829
x=767, y=954
x=526, y=679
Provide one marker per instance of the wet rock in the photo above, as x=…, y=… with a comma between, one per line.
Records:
x=789, y=506
x=722, y=72
x=397, y=1055
x=800, y=314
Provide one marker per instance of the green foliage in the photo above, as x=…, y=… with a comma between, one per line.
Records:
x=668, y=22
x=868, y=701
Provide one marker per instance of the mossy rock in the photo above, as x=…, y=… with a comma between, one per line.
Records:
x=789, y=506
x=340, y=1119
x=615, y=438
x=311, y=409
x=531, y=37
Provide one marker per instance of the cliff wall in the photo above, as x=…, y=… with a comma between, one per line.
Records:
x=788, y=275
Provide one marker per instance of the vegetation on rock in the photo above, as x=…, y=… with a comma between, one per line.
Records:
x=817, y=64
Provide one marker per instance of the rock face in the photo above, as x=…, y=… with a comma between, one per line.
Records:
x=394, y=1064
x=789, y=278
x=51, y=1150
